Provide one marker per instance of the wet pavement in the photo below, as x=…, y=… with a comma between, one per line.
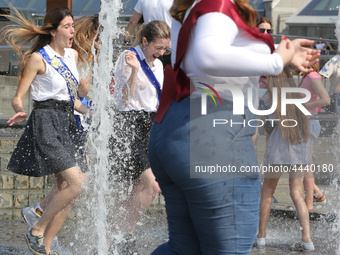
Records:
x=152, y=231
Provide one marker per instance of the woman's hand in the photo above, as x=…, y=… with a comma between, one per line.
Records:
x=304, y=57
x=131, y=60
x=286, y=50
x=17, y=118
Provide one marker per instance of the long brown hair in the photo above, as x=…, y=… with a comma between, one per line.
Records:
x=84, y=29
x=24, y=30
x=301, y=131
x=247, y=13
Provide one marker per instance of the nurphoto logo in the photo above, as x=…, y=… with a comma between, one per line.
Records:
x=239, y=98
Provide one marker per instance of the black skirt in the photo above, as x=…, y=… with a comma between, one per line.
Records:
x=129, y=146
x=50, y=143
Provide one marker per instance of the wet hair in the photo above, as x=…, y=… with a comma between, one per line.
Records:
x=247, y=13
x=301, y=131
x=24, y=30
x=263, y=20
x=152, y=31
x=85, y=28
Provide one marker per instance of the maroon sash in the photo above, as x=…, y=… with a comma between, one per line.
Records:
x=176, y=84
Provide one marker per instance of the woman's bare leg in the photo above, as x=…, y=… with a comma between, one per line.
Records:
x=60, y=201
x=144, y=190
x=268, y=189
x=295, y=184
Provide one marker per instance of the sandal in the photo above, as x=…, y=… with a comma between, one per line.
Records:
x=302, y=246
x=321, y=199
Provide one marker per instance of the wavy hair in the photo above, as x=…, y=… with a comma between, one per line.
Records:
x=85, y=29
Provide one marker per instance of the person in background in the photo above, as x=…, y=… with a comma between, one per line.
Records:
x=150, y=10
x=214, y=43
x=288, y=147
x=319, y=97
x=138, y=84
x=320, y=45
x=48, y=145
x=265, y=25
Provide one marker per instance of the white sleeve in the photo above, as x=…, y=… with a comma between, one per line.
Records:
x=138, y=7
x=121, y=75
x=222, y=50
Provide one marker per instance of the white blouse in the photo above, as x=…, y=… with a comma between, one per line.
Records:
x=51, y=85
x=155, y=10
x=220, y=53
x=145, y=96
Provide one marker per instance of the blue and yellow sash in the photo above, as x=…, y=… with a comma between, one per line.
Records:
x=151, y=76
x=59, y=65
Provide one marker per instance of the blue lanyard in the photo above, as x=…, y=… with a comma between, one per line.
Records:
x=151, y=76
x=59, y=65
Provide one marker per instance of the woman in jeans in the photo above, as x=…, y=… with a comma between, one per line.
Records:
x=212, y=42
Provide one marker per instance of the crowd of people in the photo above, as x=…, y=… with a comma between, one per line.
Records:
x=162, y=123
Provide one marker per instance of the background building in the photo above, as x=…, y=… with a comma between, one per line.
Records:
x=315, y=18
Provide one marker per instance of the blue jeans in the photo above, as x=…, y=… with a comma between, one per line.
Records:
x=205, y=215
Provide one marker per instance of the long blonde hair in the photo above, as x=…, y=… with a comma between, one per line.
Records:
x=247, y=13
x=24, y=30
x=152, y=31
x=301, y=131
x=85, y=28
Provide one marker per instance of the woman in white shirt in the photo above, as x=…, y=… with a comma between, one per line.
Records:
x=48, y=144
x=201, y=151
x=138, y=83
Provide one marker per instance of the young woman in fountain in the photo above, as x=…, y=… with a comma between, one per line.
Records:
x=86, y=29
x=139, y=80
x=213, y=41
x=289, y=147
x=48, y=144
x=312, y=81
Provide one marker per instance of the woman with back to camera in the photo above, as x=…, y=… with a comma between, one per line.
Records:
x=212, y=41
x=289, y=146
x=312, y=81
x=139, y=80
x=48, y=144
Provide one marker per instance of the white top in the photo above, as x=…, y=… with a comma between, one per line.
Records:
x=51, y=85
x=320, y=46
x=331, y=71
x=219, y=52
x=145, y=96
x=155, y=10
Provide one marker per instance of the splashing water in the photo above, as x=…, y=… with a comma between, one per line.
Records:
x=94, y=225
